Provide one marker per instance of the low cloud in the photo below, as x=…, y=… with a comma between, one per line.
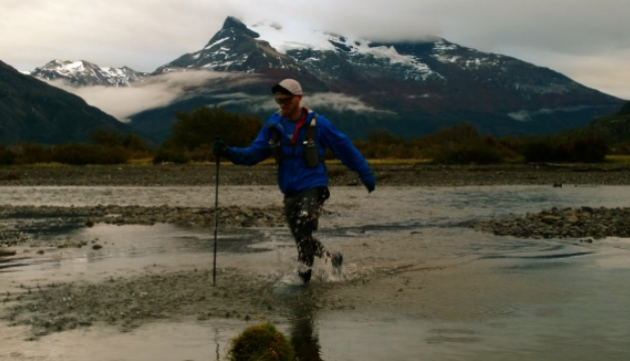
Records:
x=162, y=90
x=525, y=115
x=337, y=101
x=157, y=91
x=340, y=102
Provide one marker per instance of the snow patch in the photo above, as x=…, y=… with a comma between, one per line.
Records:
x=285, y=38
x=441, y=46
x=76, y=66
x=216, y=43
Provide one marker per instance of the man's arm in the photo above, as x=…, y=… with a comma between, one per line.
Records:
x=257, y=152
x=349, y=155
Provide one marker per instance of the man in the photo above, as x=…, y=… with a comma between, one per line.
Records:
x=297, y=138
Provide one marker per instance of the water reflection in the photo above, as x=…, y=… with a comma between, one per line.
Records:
x=303, y=328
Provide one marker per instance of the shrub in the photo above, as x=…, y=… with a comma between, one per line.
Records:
x=135, y=144
x=112, y=139
x=106, y=137
x=508, y=148
x=29, y=153
x=82, y=154
x=261, y=343
x=205, y=124
x=539, y=151
x=580, y=150
x=621, y=149
x=7, y=157
x=589, y=150
x=383, y=136
x=472, y=151
x=461, y=144
x=387, y=147
x=202, y=153
x=192, y=134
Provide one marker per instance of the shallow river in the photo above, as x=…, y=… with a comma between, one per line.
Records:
x=417, y=284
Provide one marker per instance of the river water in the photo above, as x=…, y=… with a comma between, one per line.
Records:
x=417, y=284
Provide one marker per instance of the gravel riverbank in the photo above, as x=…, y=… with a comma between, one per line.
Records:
x=128, y=303
x=44, y=218
x=387, y=175
x=563, y=223
x=164, y=293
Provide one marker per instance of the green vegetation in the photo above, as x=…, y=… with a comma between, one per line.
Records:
x=261, y=343
x=614, y=128
x=458, y=144
x=590, y=149
x=107, y=147
x=193, y=133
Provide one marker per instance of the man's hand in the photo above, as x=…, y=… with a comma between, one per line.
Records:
x=370, y=187
x=370, y=183
x=220, y=149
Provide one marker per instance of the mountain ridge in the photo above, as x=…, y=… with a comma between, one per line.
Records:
x=34, y=111
x=412, y=88
x=85, y=73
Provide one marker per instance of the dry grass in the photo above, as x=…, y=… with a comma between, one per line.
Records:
x=623, y=159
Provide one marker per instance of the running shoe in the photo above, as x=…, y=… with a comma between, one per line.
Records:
x=305, y=275
x=336, y=259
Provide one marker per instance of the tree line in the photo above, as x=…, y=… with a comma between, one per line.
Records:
x=193, y=133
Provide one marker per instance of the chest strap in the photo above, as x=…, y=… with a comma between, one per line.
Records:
x=310, y=151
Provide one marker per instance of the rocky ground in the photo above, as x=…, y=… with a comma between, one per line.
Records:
x=563, y=223
x=129, y=301
x=38, y=219
x=387, y=175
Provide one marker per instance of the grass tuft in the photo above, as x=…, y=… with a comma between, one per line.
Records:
x=261, y=343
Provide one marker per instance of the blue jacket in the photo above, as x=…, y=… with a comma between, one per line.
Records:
x=293, y=174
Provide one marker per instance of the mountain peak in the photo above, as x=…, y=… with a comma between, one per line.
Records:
x=85, y=73
x=34, y=111
x=235, y=25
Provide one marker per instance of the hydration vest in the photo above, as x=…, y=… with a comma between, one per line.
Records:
x=310, y=154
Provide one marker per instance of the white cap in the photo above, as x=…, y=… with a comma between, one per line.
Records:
x=287, y=86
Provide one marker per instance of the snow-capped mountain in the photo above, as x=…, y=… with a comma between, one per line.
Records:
x=410, y=88
x=84, y=73
x=33, y=111
x=234, y=48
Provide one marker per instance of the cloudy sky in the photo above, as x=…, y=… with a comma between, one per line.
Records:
x=587, y=40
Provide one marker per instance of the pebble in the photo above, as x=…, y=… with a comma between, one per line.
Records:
x=411, y=174
x=6, y=252
x=595, y=223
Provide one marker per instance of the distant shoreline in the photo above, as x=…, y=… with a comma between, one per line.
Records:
x=387, y=175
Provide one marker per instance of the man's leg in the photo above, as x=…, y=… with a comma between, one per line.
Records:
x=302, y=212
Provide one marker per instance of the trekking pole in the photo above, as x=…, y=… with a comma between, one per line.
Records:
x=216, y=221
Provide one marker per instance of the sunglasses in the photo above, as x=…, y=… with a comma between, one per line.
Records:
x=285, y=100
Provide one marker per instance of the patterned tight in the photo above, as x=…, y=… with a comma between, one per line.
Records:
x=302, y=211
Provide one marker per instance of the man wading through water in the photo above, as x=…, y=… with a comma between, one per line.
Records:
x=297, y=138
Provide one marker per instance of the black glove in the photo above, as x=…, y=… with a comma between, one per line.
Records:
x=370, y=187
x=370, y=183
x=220, y=149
